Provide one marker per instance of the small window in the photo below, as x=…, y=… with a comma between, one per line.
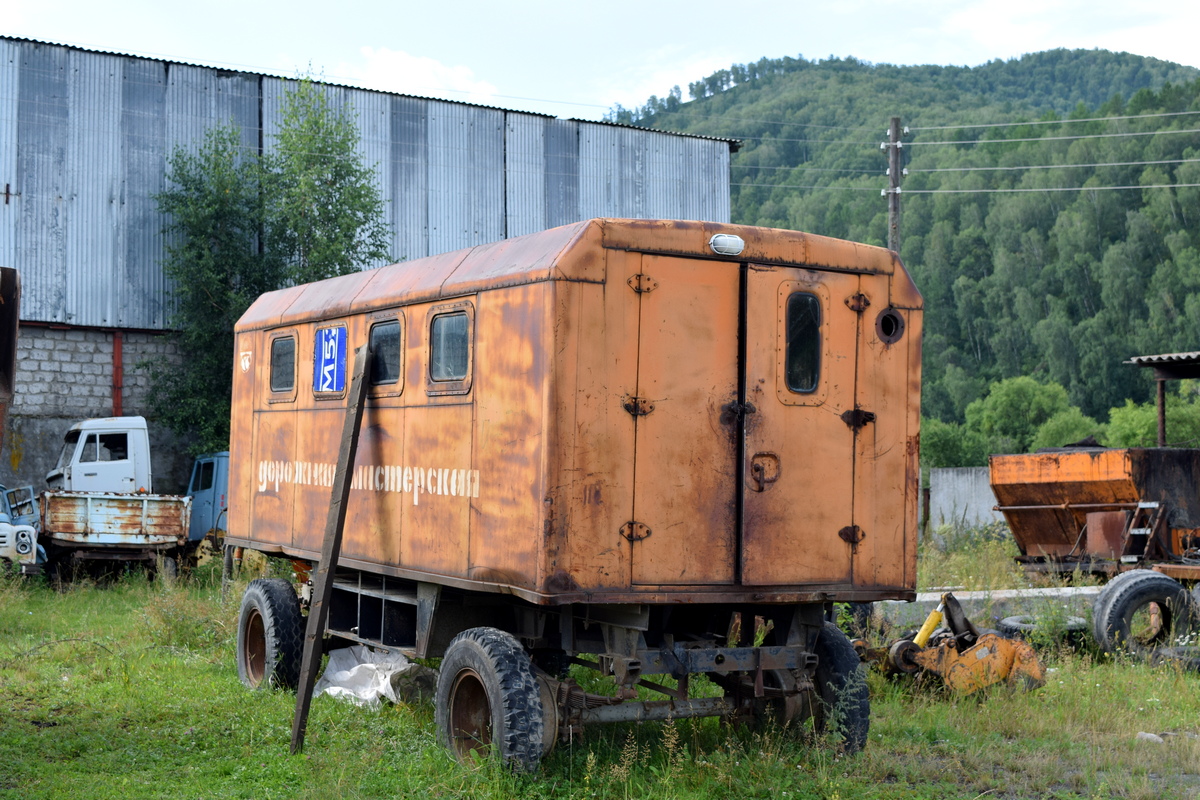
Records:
x=803, y=348
x=105, y=447
x=283, y=364
x=448, y=347
x=203, y=479
x=384, y=343
x=329, y=360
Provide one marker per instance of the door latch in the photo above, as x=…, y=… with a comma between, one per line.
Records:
x=637, y=406
x=852, y=535
x=764, y=470
x=642, y=284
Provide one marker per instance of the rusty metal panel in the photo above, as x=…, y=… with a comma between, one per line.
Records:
x=686, y=470
x=885, y=486
x=802, y=496
x=1106, y=533
x=111, y=519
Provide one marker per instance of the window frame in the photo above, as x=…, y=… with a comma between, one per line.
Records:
x=396, y=388
x=458, y=386
x=783, y=391
x=281, y=395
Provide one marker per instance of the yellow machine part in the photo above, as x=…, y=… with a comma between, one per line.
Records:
x=992, y=659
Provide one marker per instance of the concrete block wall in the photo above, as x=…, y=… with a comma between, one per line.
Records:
x=65, y=375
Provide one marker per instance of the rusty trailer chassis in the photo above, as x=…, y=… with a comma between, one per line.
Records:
x=626, y=643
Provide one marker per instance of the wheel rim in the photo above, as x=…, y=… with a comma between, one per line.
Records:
x=470, y=714
x=255, y=647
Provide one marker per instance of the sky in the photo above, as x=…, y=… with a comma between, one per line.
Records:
x=578, y=60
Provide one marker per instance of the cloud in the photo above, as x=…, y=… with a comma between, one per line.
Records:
x=396, y=71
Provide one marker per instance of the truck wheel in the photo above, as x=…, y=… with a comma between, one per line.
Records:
x=845, y=705
x=487, y=697
x=1144, y=614
x=269, y=639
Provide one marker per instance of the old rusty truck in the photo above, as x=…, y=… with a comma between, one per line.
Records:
x=654, y=449
x=18, y=539
x=100, y=507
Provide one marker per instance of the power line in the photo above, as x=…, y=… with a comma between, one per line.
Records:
x=1049, y=121
x=1059, y=166
x=1055, y=138
x=1051, y=189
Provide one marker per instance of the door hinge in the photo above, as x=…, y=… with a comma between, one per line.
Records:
x=634, y=531
x=858, y=302
x=857, y=417
x=637, y=406
x=642, y=283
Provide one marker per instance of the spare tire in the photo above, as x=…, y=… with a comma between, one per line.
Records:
x=1144, y=614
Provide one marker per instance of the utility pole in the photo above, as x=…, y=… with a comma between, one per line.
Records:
x=894, y=172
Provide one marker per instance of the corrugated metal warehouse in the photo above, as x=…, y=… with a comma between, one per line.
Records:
x=84, y=142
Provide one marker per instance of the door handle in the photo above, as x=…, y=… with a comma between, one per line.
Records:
x=764, y=470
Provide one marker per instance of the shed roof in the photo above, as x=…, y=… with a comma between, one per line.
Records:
x=1170, y=366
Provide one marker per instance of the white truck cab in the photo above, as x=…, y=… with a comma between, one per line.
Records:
x=110, y=454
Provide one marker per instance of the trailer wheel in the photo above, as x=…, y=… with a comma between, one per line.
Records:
x=269, y=639
x=845, y=705
x=488, y=697
x=1104, y=599
x=1144, y=614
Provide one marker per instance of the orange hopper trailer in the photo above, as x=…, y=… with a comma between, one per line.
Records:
x=657, y=448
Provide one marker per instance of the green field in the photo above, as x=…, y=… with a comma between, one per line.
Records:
x=129, y=690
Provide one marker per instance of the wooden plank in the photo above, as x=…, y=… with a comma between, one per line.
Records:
x=322, y=576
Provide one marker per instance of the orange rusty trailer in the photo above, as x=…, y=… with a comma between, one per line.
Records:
x=618, y=438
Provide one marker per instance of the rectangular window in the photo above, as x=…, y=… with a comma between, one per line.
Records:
x=105, y=447
x=384, y=343
x=202, y=476
x=448, y=347
x=802, y=360
x=283, y=364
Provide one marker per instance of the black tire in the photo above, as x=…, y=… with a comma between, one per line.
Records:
x=1022, y=626
x=1144, y=615
x=487, y=696
x=845, y=704
x=270, y=635
x=1104, y=599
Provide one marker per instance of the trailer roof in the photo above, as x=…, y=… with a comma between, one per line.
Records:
x=564, y=253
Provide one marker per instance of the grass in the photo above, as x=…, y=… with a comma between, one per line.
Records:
x=129, y=690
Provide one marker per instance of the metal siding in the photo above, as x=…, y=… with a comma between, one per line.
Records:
x=466, y=181
x=85, y=138
x=524, y=174
x=561, y=140
x=141, y=290
x=408, y=209
x=92, y=189
x=42, y=130
x=10, y=81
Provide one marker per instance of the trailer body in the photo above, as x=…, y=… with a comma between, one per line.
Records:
x=1102, y=509
x=670, y=446
x=619, y=427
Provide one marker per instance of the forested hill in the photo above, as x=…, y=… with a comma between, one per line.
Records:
x=1050, y=210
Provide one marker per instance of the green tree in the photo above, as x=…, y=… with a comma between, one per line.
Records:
x=1136, y=424
x=215, y=210
x=324, y=214
x=1013, y=410
x=241, y=224
x=1065, y=427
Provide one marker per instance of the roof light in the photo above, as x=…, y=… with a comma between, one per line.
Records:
x=726, y=244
